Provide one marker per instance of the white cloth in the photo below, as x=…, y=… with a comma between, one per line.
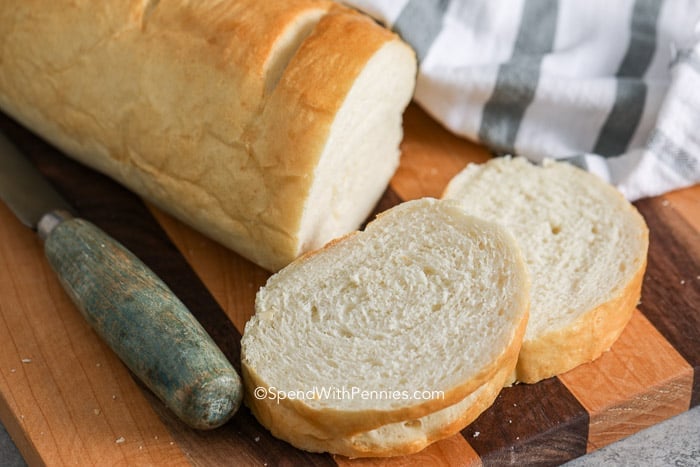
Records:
x=610, y=85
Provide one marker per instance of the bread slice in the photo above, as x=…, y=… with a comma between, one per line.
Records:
x=585, y=247
x=394, y=439
x=271, y=126
x=427, y=298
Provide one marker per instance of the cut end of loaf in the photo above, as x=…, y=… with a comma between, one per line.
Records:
x=288, y=43
x=425, y=299
x=330, y=132
x=361, y=153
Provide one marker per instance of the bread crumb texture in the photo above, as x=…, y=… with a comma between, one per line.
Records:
x=585, y=247
x=427, y=298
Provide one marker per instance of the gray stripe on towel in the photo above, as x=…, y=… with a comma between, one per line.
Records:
x=673, y=155
x=517, y=79
x=631, y=91
x=420, y=22
x=688, y=57
x=579, y=160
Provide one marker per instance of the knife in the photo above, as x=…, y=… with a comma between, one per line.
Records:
x=132, y=310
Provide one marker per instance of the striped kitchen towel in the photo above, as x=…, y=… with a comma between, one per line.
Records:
x=610, y=85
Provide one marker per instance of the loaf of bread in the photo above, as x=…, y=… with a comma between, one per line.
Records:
x=271, y=126
x=585, y=247
x=426, y=300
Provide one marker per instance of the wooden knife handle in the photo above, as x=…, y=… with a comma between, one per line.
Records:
x=144, y=323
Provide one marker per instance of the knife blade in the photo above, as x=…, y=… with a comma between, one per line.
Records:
x=124, y=301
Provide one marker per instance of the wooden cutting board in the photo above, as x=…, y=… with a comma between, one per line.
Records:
x=66, y=399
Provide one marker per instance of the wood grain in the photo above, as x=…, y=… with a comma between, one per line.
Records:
x=686, y=204
x=672, y=282
x=60, y=386
x=123, y=216
x=452, y=452
x=430, y=156
x=219, y=268
x=625, y=390
x=531, y=424
x=59, y=407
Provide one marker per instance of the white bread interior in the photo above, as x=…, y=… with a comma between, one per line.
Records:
x=585, y=247
x=426, y=298
x=249, y=120
x=349, y=177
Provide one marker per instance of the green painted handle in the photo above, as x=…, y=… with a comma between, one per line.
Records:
x=145, y=324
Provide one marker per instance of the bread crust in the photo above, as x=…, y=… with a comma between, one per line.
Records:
x=592, y=334
x=483, y=398
x=307, y=434
x=180, y=102
x=338, y=423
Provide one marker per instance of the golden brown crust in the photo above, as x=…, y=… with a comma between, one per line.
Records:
x=487, y=393
x=286, y=424
x=584, y=340
x=172, y=99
